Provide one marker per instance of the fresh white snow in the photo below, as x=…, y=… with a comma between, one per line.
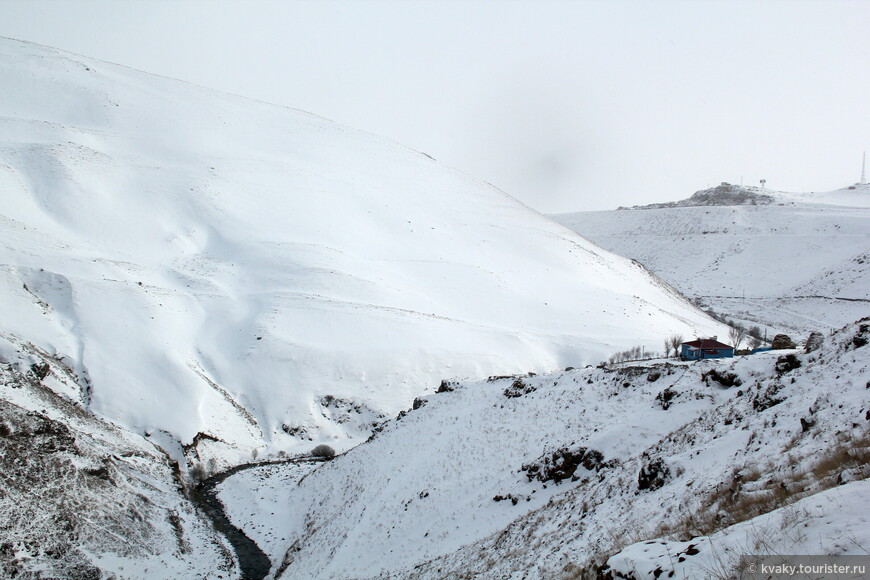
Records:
x=84, y=498
x=419, y=501
x=831, y=523
x=195, y=280
x=218, y=265
x=799, y=263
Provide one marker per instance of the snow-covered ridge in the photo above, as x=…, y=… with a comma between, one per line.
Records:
x=210, y=264
x=797, y=264
x=726, y=194
x=723, y=194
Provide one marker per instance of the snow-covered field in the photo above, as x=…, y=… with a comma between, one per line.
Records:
x=209, y=264
x=796, y=263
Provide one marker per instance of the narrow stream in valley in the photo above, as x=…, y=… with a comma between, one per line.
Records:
x=253, y=562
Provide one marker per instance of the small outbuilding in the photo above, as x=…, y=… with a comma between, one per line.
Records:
x=705, y=348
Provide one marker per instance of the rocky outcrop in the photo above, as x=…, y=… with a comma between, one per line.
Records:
x=814, y=341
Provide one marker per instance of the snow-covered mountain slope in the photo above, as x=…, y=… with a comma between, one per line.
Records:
x=81, y=497
x=209, y=264
x=818, y=525
x=539, y=477
x=784, y=261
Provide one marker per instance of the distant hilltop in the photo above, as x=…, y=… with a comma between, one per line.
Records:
x=723, y=194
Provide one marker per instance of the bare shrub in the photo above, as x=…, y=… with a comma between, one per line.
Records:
x=197, y=473
x=323, y=450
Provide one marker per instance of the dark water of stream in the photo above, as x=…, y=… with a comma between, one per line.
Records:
x=254, y=563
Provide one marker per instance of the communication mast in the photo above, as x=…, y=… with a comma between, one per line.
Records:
x=863, y=168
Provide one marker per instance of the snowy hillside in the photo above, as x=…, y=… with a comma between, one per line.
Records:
x=542, y=477
x=252, y=278
x=787, y=262
x=81, y=497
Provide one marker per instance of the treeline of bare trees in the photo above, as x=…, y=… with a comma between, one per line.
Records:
x=737, y=335
x=672, y=343
x=632, y=354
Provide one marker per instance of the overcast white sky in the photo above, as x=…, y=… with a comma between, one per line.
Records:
x=566, y=105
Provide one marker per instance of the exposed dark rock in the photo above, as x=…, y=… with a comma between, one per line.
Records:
x=199, y=438
x=418, y=402
x=296, y=431
x=862, y=337
x=653, y=475
x=495, y=378
x=40, y=370
x=665, y=398
x=376, y=428
x=653, y=376
x=815, y=341
x=563, y=463
x=787, y=363
x=518, y=388
x=332, y=402
x=767, y=398
x=513, y=499
x=724, y=378
x=447, y=386
x=723, y=194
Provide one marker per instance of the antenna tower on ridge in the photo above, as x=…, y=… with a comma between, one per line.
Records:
x=863, y=168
